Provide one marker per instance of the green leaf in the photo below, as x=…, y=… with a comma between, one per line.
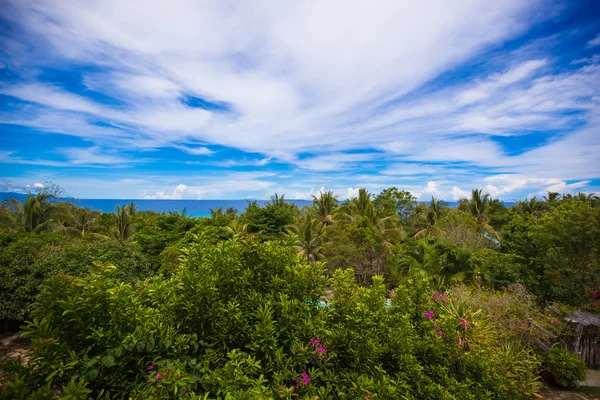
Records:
x=108, y=361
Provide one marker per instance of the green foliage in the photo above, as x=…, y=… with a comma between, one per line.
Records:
x=239, y=320
x=163, y=230
x=568, y=240
x=392, y=200
x=28, y=259
x=269, y=222
x=566, y=369
x=497, y=270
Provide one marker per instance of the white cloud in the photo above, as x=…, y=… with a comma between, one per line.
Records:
x=197, y=151
x=352, y=193
x=307, y=195
x=38, y=185
x=320, y=85
x=312, y=75
x=595, y=41
x=457, y=193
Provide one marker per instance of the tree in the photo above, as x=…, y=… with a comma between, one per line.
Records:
x=568, y=242
x=271, y=221
x=392, y=200
x=433, y=213
x=552, y=198
x=530, y=206
x=237, y=228
x=479, y=205
x=123, y=223
x=307, y=235
x=278, y=199
x=324, y=207
x=80, y=221
x=37, y=213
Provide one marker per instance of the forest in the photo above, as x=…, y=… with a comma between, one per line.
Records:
x=374, y=297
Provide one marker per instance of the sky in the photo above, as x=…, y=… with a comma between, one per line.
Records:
x=191, y=99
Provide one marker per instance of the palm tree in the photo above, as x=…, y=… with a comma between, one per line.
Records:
x=237, y=228
x=230, y=212
x=427, y=261
x=433, y=214
x=362, y=209
x=124, y=225
x=79, y=221
x=325, y=206
x=530, y=206
x=37, y=213
x=307, y=235
x=552, y=197
x=278, y=200
x=216, y=213
x=480, y=206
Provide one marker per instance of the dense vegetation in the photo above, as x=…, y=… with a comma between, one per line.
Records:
x=422, y=301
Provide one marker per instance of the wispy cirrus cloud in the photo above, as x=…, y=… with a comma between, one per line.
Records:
x=334, y=94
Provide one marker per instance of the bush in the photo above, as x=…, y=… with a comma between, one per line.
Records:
x=497, y=270
x=240, y=320
x=28, y=259
x=566, y=369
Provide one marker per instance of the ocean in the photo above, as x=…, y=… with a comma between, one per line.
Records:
x=196, y=208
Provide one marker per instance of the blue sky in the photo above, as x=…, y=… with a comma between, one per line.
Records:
x=228, y=100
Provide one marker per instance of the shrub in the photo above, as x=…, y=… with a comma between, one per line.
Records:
x=566, y=369
x=239, y=319
x=28, y=259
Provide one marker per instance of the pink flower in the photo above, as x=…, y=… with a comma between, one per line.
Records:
x=150, y=367
x=58, y=392
x=158, y=376
x=555, y=321
x=368, y=395
x=465, y=324
x=458, y=342
x=440, y=333
x=315, y=341
x=305, y=378
x=429, y=314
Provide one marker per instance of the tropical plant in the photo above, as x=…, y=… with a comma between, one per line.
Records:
x=566, y=369
x=123, y=222
x=530, y=206
x=80, y=221
x=552, y=197
x=37, y=213
x=307, y=235
x=278, y=200
x=237, y=228
x=433, y=213
x=479, y=205
x=325, y=206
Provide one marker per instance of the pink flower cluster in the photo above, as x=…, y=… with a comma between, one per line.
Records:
x=56, y=389
x=318, y=347
x=150, y=368
x=429, y=314
x=437, y=296
x=304, y=379
x=465, y=324
x=555, y=321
